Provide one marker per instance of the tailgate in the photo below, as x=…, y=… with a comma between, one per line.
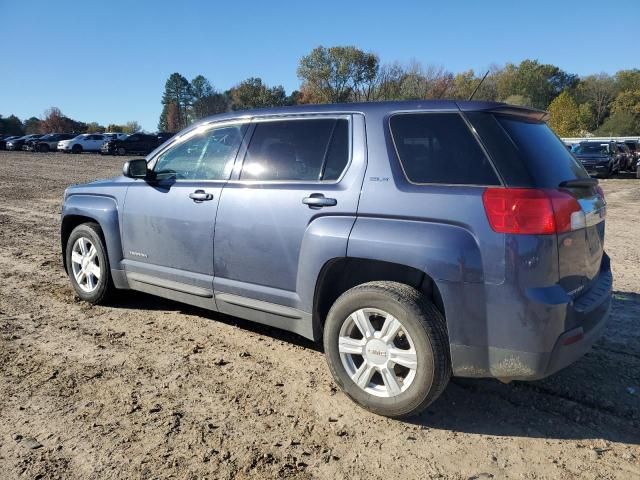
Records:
x=580, y=250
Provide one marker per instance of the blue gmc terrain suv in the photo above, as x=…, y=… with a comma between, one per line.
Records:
x=415, y=240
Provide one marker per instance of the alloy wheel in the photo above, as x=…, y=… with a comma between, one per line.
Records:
x=85, y=264
x=377, y=352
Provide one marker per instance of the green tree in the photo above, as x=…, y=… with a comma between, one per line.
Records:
x=338, y=74
x=627, y=101
x=131, y=127
x=11, y=126
x=598, y=91
x=252, y=93
x=32, y=126
x=539, y=82
x=177, y=91
x=205, y=100
x=586, y=118
x=114, y=128
x=620, y=124
x=95, y=127
x=518, y=100
x=564, y=115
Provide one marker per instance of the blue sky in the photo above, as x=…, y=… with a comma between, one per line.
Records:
x=108, y=61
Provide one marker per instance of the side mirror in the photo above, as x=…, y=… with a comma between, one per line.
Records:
x=136, y=168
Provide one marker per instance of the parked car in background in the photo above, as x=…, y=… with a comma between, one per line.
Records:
x=138, y=143
x=5, y=139
x=598, y=158
x=626, y=156
x=164, y=136
x=634, y=147
x=115, y=135
x=17, y=143
x=47, y=143
x=386, y=230
x=87, y=142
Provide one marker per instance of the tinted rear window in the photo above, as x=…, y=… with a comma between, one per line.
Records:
x=526, y=153
x=440, y=148
x=591, y=149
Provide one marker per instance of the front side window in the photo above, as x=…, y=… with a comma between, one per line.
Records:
x=297, y=150
x=207, y=155
x=440, y=148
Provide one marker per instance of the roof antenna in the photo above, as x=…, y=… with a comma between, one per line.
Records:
x=478, y=86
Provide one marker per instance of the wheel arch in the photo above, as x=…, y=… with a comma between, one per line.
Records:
x=79, y=209
x=341, y=274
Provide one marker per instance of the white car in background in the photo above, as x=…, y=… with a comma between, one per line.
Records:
x=88, y=142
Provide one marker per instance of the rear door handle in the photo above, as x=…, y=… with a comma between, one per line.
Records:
x=318, y=200
x=200, y=196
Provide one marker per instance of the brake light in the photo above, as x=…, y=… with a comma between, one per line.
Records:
x=532, y=211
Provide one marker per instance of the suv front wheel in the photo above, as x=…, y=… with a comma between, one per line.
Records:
x=87, y=263
x=387, y=348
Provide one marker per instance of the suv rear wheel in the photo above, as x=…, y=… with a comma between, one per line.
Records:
x=87, y=263
x=387, y=348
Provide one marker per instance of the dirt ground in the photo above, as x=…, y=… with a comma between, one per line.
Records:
x=147, y=388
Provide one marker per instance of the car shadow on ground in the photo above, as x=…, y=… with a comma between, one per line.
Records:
x=597, y=397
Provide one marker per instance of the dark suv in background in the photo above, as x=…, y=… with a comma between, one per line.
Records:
x=47, y=143
x=137, y=143
x=16, y=144
x=415, y=240
x=602, y=159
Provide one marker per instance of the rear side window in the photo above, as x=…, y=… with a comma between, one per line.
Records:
x=302, y=150
x=440, y=148
x=526, y=153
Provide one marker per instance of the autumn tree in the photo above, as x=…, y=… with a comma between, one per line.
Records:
x=564, y=115
x=173, y=118
x=55, y=121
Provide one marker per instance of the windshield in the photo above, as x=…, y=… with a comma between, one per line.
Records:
x=591, y=148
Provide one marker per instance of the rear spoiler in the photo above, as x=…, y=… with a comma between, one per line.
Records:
x=527, y=113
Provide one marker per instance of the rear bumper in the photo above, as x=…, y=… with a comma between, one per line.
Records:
x=588, y=314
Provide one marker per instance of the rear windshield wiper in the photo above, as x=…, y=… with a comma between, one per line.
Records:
x=579, y=182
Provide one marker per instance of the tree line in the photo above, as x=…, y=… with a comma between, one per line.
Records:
x=600, y=104
x=53, y=120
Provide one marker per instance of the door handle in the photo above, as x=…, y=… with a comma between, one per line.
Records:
x=200, y=196
x=318, y=200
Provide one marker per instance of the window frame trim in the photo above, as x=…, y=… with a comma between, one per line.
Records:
x=237, y=170
x=474, y=135
x=195, y=130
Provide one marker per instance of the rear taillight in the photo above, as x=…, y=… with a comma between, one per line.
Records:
x=600, y=191
x=532, y=211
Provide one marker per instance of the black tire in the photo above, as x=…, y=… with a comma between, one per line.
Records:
x=423, y=323
x=638, y=171
x=104, y=288
x=121, y=151
x=43, y=148
x=76, y=149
